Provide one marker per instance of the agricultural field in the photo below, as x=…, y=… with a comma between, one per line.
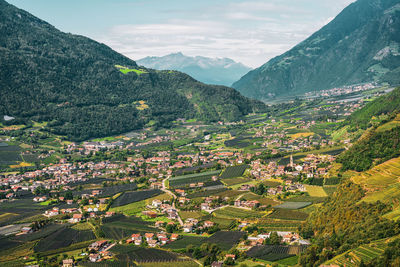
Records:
x=316, y=191
x=206, y=193
x=233, y=171
x=223, y=223
x=183, y=181
x=381, y=176
x=330, y=189
x=135, y=196
x=225, y=239
x=136, y=208
x=9, y=154
x=119, y=226
x=274, y=252
x=285, y=214
x=187, y=263
x=63, y=238
x=185, y=241
x=236, y=213
x=268, y=224
x=147, y=255
x=293, y=205
x=190, y=214
x=109, y=191
x=367, y=252
x=235, y=181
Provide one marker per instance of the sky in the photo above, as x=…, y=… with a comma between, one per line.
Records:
x=248, y=31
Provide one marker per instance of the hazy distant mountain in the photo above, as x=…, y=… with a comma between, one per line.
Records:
x=221, y=71
x=84, y=89
x=361, y=44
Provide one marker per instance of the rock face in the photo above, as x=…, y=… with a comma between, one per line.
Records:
x=220, y=71
x=362, y=44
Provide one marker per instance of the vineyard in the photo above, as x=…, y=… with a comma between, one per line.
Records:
x=278, y=225
x=183, y=181
x=109, y=191
x=129, y=197
x=121, y=226
x=236, y=213
x=63, y=238
x=235, y=181
x=185, y=241
x=364, y=252
x=138, y=254
x=234, y=171
x=293, y=205
x=274, y=252
x=285, y=214
x=226, y=239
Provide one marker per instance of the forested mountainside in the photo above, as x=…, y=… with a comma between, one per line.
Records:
x=220, y=71
x=85, y=89
x=362, y=44
x=362, y=216
x=381, y=142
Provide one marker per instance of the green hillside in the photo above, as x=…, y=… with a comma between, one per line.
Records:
x=73, y=83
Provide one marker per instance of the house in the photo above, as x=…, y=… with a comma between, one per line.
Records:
x=160, y=224
x=188, y=227
x=208, y=224
x=232, y=256
x=205, y=206
x=68, y=263
x=156, y=203
x=152, y=243
x=109, y=213
x=98, y=245
x=149, y=236
x=151, y=214
x=94, y=257
x=76, y=218
x=174, y=237
x=217, y=264
x=26, y=230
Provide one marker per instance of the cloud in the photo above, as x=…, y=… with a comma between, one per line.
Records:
x=251, y=32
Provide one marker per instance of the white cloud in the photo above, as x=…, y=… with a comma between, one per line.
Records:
x=251, y=32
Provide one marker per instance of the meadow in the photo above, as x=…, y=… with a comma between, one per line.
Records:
x=316, y=191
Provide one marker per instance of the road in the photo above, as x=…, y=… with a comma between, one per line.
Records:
x=166, y=190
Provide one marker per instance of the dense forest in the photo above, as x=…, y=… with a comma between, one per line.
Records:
x=343, y=223
x=85, y=89
x=374, y=148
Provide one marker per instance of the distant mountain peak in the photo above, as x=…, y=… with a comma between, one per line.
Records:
x=220, y=71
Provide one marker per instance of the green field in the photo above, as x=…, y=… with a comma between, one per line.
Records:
x=293, y=205
x=185, y=241
x=236, y=213
x=316, y=191
x=234, y=181
x=233, y=171
x=285, y=214
x=192, y=178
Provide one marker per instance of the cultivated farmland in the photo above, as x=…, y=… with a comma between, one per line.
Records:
x=293, y=205
x=274, y=252
x=234, y=171
x=182, y=181
x=129, y=197
x=225, y=239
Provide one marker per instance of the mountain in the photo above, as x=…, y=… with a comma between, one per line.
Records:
x=361, y=44
x=84, y=89
x=221, y=71
x=359, y=225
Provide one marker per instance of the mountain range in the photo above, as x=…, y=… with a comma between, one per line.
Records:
x=84, y=89
x=362, y=44
x=220, y=71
